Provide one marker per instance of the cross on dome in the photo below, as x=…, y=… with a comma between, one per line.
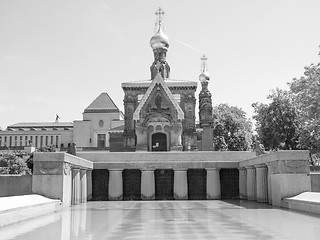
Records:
x=204, y=76
x=159, y=14
x=204, y=62
x=159, y=39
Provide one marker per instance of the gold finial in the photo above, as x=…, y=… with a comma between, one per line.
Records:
x=159, y=13
x=204, y=75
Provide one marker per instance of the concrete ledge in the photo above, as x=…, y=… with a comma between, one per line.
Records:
x=62, y=157
x=201, y=156
x=290, y=155
x=152, y=165
x=18, y=208
x=305, y=202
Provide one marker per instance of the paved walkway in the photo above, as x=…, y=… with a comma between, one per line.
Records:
x=169, y=220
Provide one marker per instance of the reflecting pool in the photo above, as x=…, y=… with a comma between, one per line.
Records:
x=168, y=220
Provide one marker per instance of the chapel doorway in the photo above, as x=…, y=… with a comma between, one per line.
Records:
x=159, y=142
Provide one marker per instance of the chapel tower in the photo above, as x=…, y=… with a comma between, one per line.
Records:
x=205, y=108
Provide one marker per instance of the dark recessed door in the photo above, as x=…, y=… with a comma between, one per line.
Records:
x=197, y=184
x=101, y=143
x=229, y=182
x=100, y=181
x=131, y=184
x=159, y=142
x=164, y=184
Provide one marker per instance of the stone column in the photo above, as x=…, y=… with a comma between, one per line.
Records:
x=213, y=183
x=243, y=183
x=83, y=180
x=262, y=182
x=180, y=187
x=115, y=184
x=269, y=183
x=147, y=185
x=251, y=183
x=76, y=187
x=89, y=184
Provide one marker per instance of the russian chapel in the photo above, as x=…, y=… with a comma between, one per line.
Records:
x=160, y=112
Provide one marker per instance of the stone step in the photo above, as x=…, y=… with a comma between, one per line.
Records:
x=18, y=208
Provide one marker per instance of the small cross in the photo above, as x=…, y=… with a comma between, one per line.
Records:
x=204, y=63
x=204, y=58
x=159, y=14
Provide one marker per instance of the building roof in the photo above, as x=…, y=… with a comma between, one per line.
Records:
x=102, y=104
x=117, y=129
x=41, y=125
x=169, y=82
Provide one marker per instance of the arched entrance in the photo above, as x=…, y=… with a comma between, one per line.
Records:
x=159, y=142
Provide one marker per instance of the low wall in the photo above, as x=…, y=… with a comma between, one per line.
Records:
x=276, y=176
x=15, y=185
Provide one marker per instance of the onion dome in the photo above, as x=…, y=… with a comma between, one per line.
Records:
x=204, y=75
x=159, y=40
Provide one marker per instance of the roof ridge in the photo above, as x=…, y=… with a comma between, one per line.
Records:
x=102, y=102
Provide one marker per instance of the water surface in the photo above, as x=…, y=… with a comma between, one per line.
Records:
x=168, y=220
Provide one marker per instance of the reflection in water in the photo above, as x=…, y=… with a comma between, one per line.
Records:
x=168, y=220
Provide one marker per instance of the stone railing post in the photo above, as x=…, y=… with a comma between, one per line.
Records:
x=213, y=183
x=243, y=183
x=269, y=183
x=115, y=184
x=262, y=182
x=147, y=185
x=83, y=180
x=89, y=184
x=251, y=183
x=76, y=187
x=180, y=187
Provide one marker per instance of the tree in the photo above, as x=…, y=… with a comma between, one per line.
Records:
x=13, y=163
x=231, y=129
x=277, y=123
x=306, y=95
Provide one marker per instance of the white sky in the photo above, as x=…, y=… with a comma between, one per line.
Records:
x=57, y=56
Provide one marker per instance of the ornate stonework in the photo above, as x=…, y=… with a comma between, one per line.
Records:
x=48, y=168
x=289, y=167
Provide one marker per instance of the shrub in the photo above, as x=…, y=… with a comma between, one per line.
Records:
x=13, y=163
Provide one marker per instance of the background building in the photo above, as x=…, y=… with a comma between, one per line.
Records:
x=92, y=132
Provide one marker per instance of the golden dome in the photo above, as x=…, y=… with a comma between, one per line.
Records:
x=204, y=76
x=159, y=40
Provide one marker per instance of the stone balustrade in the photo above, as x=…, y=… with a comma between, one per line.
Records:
x=267, y=178
x=62, y=176
x=272, y=177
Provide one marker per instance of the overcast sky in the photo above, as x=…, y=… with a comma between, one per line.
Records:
x=57, y=56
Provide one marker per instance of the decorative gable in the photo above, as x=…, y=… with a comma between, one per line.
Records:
x=158, y=85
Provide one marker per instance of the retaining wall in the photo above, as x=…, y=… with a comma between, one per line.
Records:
x=15, y=185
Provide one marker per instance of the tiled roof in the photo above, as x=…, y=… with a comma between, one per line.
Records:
x=41, y=125
x=103, y=103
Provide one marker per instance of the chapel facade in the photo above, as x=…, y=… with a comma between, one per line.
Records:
x=159, y=113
